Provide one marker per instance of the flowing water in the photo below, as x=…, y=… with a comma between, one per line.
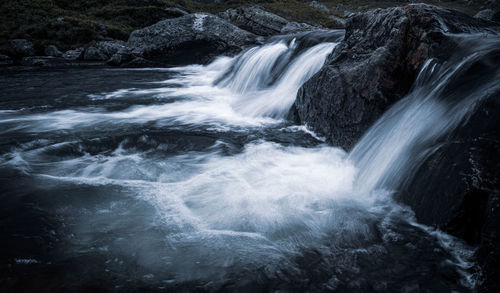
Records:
x=189, y=178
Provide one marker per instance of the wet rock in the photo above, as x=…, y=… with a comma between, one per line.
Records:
x=457, y=188
x=486, y=14
x=94, y=54
x=193, y=38
x=319, y=6
x=374, y=66
x=22, y=47
x=255, y=20
x=52, y=50
x=76, y=54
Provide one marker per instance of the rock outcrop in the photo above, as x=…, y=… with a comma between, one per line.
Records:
x=457, y=188
x=194, y=38
x=263, y=23
x=374, y=66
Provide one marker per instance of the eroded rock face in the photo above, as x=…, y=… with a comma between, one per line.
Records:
x=374, y=66
x=193, y=38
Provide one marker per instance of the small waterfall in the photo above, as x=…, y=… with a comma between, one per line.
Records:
x=442, y=97
x=266, y=79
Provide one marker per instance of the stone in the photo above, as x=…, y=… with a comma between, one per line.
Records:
x=22, y=47
x=76, y=54
x=486, y=14
x=52, y=50
x=194, y=38
x=94, y=54
x=255, y=20
x=109, y=48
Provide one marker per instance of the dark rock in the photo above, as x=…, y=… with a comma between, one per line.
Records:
x=94, y=54
x=109, y=48
x=189, y=39
x=458, y=187
x=295, y=27
x=22, y=47
x=52, y=50
x=255, y=20
x=122, y=57
x=76, y=54
x=486, y=14
x=5, y=60
x=374, y=66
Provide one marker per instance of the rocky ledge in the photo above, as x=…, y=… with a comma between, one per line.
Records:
x=457, y=187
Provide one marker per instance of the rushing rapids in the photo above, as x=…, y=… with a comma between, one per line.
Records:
x=198, y=181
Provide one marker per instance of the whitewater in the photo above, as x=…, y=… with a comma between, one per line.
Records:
x=198, y=179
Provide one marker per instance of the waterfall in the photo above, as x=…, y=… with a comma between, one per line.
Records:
x=442, y=97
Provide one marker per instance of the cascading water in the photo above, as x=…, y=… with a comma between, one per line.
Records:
x=197, y=181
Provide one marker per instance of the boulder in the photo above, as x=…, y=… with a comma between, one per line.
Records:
x=486, y=14
x=296, y=27
x=457, y=187
x=374, y=66
x=255, y=20
x=94, y=54
x=22, y=47
x=76, y=54
x=194, y=38
x=52, y=50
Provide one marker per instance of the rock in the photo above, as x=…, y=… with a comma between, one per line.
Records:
x=255, y=20
x=22, y=47
x=94, y=54
x=52, y=50
x=123, y=56
x=319, y=6
x=189, y=39
x=109, y=48
x=76, y=54
x=486, y=14
x=176, y=12
x=374, y=66
x=457, y=189
x=5, y=60
x=295, y=27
